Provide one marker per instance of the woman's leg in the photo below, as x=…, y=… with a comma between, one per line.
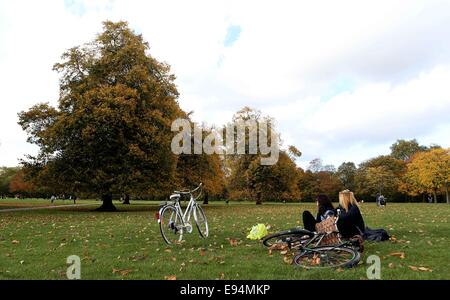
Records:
x=309, y=222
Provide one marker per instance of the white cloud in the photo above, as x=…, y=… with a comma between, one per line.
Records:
x=344, y=79
x=353, y=126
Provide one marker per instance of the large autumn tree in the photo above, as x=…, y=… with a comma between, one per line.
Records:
x=19, y=185
x=111, y=130
x=6, y=176
x=318, y=179
x=429, y=172
x=346, y=174
x=249, y=178
x=379, y=174
x=205, y=168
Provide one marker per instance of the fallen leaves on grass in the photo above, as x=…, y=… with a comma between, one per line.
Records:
x=282, y=247
x=122, y=272
x=182, y=267
x=233, y=242
x=170, y=277
x=315, y=260
x=279, y=246
x=287, y=260
x=15, y=242
x=423, y=269
x=398, y=254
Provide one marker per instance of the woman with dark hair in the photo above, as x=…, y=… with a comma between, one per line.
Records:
x=324, y=209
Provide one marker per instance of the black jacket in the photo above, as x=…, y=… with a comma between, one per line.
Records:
x=351, y=222
x=324, y=211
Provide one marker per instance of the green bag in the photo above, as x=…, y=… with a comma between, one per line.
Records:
x=258, y=232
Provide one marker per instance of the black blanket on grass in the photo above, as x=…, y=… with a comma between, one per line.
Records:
x=375, y=235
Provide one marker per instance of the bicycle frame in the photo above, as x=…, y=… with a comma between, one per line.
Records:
x=186, y=215
x=317, y=238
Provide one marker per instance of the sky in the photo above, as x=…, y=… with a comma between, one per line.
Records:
x=343, y=79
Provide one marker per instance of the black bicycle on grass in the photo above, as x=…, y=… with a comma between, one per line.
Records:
x=318, y=249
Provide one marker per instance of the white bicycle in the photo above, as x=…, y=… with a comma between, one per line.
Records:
x=173, y=221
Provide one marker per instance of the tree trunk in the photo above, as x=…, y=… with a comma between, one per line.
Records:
x=258, y=199
x=434, y=196
x=126, y=199
x=446, y=192
x=206, y=199
x=107, y=203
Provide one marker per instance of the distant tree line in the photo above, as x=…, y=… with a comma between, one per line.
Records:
x=410, y=173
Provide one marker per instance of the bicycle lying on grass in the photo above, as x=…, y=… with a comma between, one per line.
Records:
x=323, y=249
x=173, y=221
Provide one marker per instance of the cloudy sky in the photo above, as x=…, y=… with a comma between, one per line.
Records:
x=343, y=79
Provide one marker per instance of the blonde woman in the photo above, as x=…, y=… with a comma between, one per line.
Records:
x=350, y=222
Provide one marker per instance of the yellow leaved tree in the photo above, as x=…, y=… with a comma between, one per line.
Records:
x=428, y=172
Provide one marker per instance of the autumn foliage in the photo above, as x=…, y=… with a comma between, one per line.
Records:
x=110, y=133
x=428, y=172
x=18, y=185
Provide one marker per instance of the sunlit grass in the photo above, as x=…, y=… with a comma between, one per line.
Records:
x=127, y=244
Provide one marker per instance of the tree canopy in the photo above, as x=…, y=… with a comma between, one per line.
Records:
x=250, y=179
x=429, y=172
x=111, y=130
x=404, y=150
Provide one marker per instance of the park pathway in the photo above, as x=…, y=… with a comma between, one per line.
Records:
x=42, y=207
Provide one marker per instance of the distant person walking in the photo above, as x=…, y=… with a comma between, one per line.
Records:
x=380, y=199
x=377, y=199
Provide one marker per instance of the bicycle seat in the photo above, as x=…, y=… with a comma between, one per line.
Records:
x=174, y=196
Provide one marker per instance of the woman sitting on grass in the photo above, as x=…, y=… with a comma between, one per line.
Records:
x=324, y=209
x=350, y=222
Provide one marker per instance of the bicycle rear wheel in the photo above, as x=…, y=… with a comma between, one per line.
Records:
x=200, y=221
x=171, y=225
x=291, y=239
x=327, y=257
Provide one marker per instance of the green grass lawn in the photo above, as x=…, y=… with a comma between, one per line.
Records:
x=11, y=203
x=127, y=244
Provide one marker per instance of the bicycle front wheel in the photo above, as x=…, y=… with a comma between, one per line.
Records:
x=200, y=221
x=171, y=225
x=327, y=257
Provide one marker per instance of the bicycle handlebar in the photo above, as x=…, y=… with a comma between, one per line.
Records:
x=189, y=192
